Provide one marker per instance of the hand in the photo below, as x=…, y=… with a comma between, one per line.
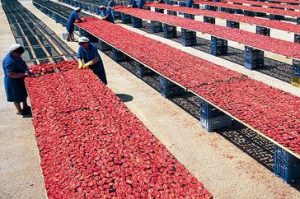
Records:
x=80, y=64
x=88, y=64
x=85, y=66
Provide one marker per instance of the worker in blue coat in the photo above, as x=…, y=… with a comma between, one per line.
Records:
x=105, y=14
x=141, y=4
x=189, y=3
x=110, y=7
x=88, y=57
x=70, y=23
x=133, y=4
x=15, y=71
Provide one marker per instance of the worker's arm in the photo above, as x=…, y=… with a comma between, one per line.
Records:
x=17, y=75
x=104, y=17
x=80, y=64
x=92, y=62
x=10, y=68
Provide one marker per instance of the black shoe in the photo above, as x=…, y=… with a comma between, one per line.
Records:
x=27, y=112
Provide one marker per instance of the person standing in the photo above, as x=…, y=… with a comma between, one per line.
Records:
x=88, y=57
x=132, y=4
x=189, y=3
x=141, y=4
x=15, y=71
x=106, y=14
x=70, y=23
x=110, y=7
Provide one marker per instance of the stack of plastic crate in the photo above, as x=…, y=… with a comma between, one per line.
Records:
x=188, y=38
x=254, y=58
x=262, y=30
x=233, y=24
x=211, y=118
x=136, y=22
x=286, y=165
x=155, y=26
x=218, y=46
x=169, y=31
x=211, y=20
x=296, y=73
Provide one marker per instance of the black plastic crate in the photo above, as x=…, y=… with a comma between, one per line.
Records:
x=104, y=46
x=218, y=46
x=171, y=12
x=189, y=16
x=276, y=17
x=297, y=38
x=282, y=156
x=142, y=71
x=210, y=20
x=169, y=89
x=126, y=19
x=253, y=58
x=249, y=13
x=159, y=10
x=238, y=11
x=208, y=111
x=118, y=55
x=169, y=31
x=296, y=69
x=298, y=20
x=260, y=14
x=289, y=174
x=156, y=26
x=213, y=8
x=262, y=30
x=136, y=22
x=187, y=34
x=196, y=6
x=233, y=24
x=215, y=122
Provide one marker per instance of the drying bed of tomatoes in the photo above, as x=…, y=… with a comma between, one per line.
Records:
x=46, y=68
x=280, y=25
x=266, y=4
x=250, y=8
x=272, y=112
x=282, y=1
x=262, y=42
x=92, y=146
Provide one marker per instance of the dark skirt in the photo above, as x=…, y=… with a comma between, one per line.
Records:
x=70, y=27
x=98, y=69
x=15, y=89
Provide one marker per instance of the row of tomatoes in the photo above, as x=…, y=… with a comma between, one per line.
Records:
x=92, y=146
x=263, y=42
x=280, y=25
x=251, y=8
x=265, y=4
x=272, y=112
x=46, y=68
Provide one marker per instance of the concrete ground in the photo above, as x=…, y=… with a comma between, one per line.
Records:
x=226, y=171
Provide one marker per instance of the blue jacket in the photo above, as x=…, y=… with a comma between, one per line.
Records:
x=14, y=87
x=189, y=3
x=141, y=4
x=71, y=20
x=111, y=4
x=89, y=55
x=107, y=12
